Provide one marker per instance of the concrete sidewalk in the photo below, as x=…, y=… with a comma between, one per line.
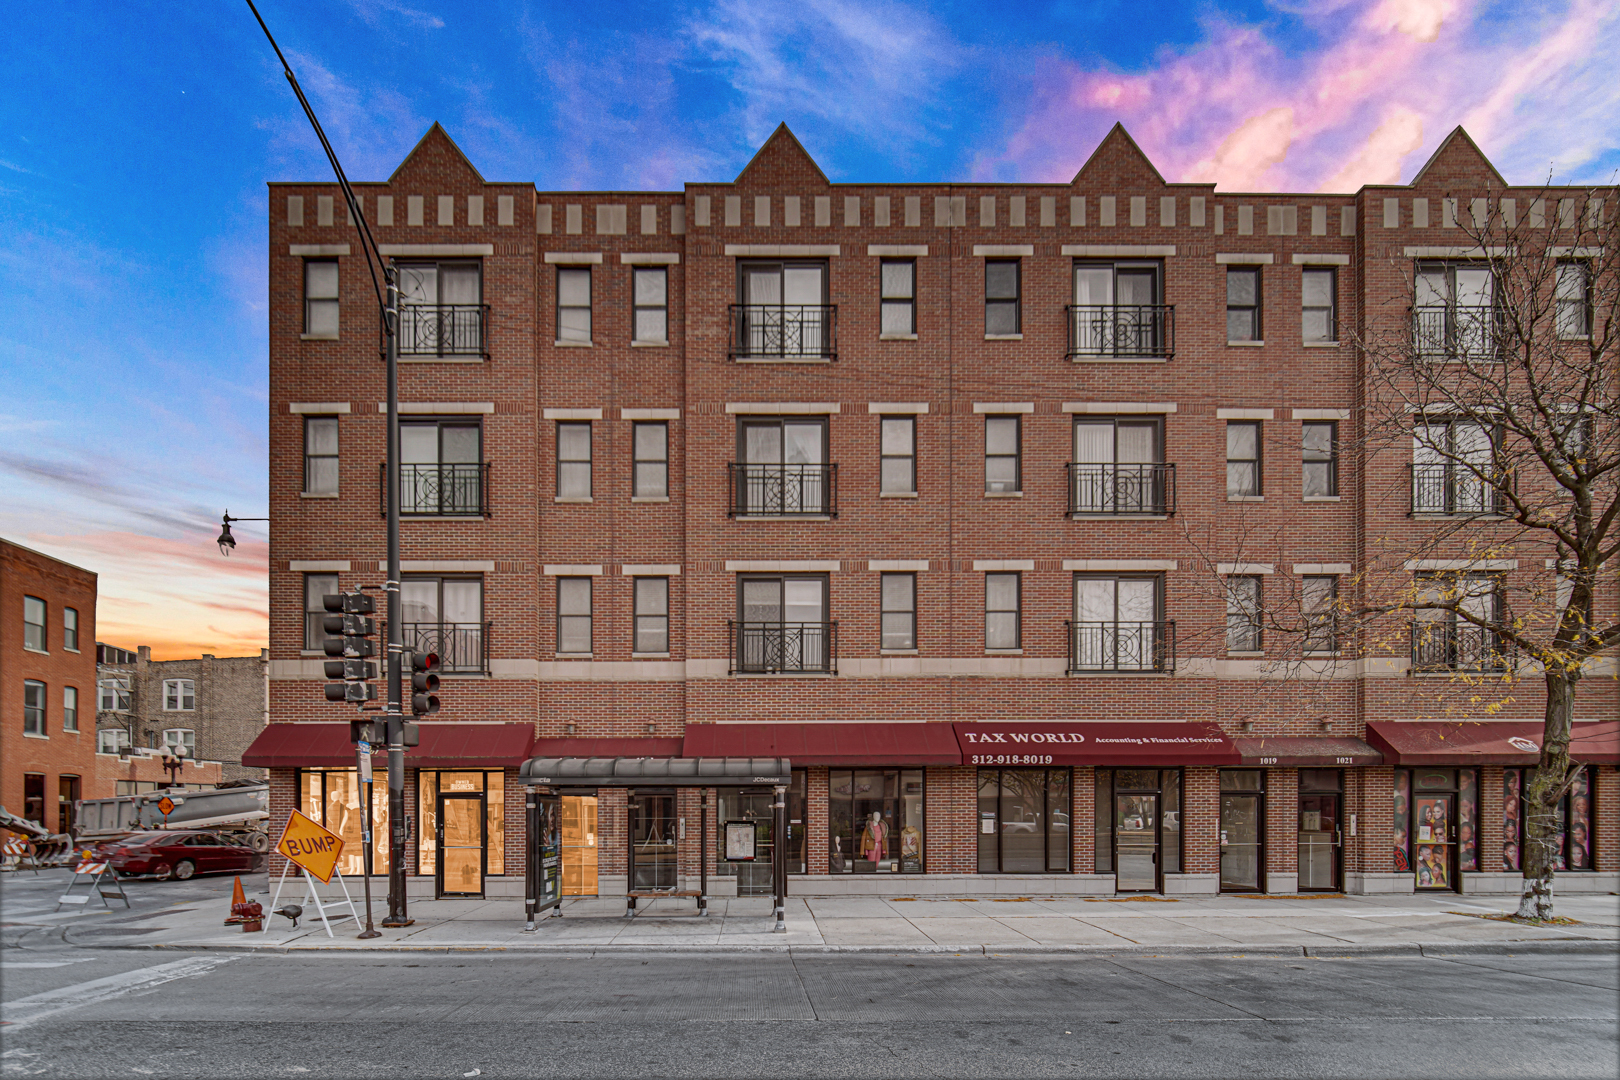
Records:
x=1298, y=925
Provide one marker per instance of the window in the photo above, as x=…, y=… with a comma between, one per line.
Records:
x=33, y=707
x=574, y=304
x=1320, y=453
x=899, y=297
x=1243, y=460
x=898, y=455
x=113, y=694
x=1446, y=640
x=574, y=460
x=782, y=625
x=112, y=741
x=1024, y=821
x=1453, y=469
x=179, y=695
x=784, y=467
x=899, y=611
x=1117, y=310
x=445, y=615
x=1243, y=303
x=321, y=298
x=652, y=615
x=1118, y=625
x=652, y=305
x=1001, y=611
x=320, y=455
x=317, y=587
x=492, y=783
x=1572, y=820
x=70, y=708
x=650, y=479
x=70, y=629
x=574, y=615
x=441, y=310
x=875, y=821
x=1242, y=614
x=1001, y=297
x=1319, y=598
x=1318, y=292
x=1118, y=467
x=441, y=467
x=1002, y=437
x=186, y=737
x=1454, y=311
x=34, y=623
x=782, y=310
x=334, y=798
x=1574, y=300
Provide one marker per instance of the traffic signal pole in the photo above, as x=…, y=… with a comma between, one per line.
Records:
x=394, y=717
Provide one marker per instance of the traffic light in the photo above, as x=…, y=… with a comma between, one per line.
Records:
x=424, y=668
x=368, y=731
x=350, y=620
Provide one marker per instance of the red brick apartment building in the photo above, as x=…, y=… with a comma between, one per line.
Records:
x=876, y=478
x=47, y=685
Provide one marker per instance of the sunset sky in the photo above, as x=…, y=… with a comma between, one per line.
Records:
x=137, y=139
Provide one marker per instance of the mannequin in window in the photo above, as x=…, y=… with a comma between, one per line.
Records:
x=875, y=838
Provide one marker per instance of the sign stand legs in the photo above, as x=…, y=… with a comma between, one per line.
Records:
x=311, y=895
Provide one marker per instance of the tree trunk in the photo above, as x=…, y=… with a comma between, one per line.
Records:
x=1541, y=797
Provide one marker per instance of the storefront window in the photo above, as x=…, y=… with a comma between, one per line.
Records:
x=429, y=784
x=1572, y=821
x=331, y=797
x=1137, y=826
x=1468, y=820
x=875, y=821
x=759, y=806
x=1401, y=839
x=1024, y=821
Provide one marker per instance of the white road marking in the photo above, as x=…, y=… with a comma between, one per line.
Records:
x=28, y=1010
x=8, y=964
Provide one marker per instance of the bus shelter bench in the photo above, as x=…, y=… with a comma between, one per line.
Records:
x=657, y=894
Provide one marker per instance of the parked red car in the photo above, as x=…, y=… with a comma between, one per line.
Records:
x=179, y=854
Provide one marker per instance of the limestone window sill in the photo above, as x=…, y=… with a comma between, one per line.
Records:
x=897, y=337
x=574, y=344
x=649, y=498
x=898, y=495
x=1244, y=344
x=1321, y=344
x=1004, y=337
x=1004, y=652
x=318, y=337
x=41, y=652
x=32, y=735
x=1004, y=494
x=1245, y=655
x=649, y=656
x=573, y=499
x=66, y=649
x=1322, y=498
x=318, y=495
x=649, y=344
x=899, y=652
x=1245, y=498
x=576, y=656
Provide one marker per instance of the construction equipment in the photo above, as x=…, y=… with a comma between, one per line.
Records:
x=242, y=808
x=45, y=848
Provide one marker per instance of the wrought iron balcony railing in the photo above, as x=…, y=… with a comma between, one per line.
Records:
x=784, y=332
x=777, y=647
x=443, y=330
x=1121, y=646
x=438, y=490
x=1121, y=489
x=1455, y=331
x=463, y=648
x=1451, y=487
x=783, y=490
x=1446, y=646
x=1131, y=331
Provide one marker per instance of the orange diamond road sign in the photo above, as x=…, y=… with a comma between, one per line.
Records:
x=310, y=846
x=166, y=805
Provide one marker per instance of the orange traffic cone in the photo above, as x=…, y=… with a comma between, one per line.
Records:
x=238, y=898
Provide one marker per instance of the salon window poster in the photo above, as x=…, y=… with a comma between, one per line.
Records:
x=1401, y=838
x=1430, y=826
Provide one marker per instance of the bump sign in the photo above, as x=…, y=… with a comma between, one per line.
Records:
x=310, y=846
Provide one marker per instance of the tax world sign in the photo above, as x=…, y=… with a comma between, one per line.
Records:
x=310, y=846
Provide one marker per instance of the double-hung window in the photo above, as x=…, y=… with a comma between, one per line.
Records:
x=782, y=311
x=1243, y=613
x=1118, y=467
x=782, y=625
x=1454, y=468
x=441, y=309
x=1243, y=303
x=114, y=695
x=899, y=611
x=33, y=707
x=783, y=468
x=441, y=469
x=574, y=460
x=70, y=629
x=897, y=452
x=650, y=479
x=1003, y=297
x=652, y=615
x=574, y=616
x=1456, y=633
x=179, y=695
x=320, y=455
x=34, y=624
x=1318, y=293
x=1243, y=479
x=1117, y=624
x=321, y=298
x=1117, y=310
x=317, y=587
x=70, y=708
x=445, y=615
x=177, y=737
x=574, y=304
x=112, y=741
x=651, y=287
x=1454, y=313
x=1003, y=605
x=1319, y=600
x=899, y=297
x=1002, y=448
x=1573, y=295
x=1319, y=451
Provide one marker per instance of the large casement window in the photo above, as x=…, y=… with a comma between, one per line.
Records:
x=1573, y=295
x=1002, y=446
x=574, y=461
x=316, y=588
x=875, y=821
x=1024, y=821
x=782, y=468
x=651, y=289
x=1243, y=613
x=1119, y=625
x=1243, y=472
x=650, y=477
x=898, y=286
x=1319, y=460
x=333, y=798
x=1118, y=311
x=1003, y=295
x=1138, y=826
x=491, y=783
x=782, y=625
x=1445, y=640
x=1319, y=308
x=1003, y=611
x=1573, y=821
x=897, y=451
x=1243, y=830
x=651, y=615
x=445, y=615
x=1454, y=468
x=320, y=298
x=1453, y=313
x=782, y=312
x=441, y=469
x=574, y=305
x=1119, y=468
x=899, y=612
x=574, y=616
x=1243, y=304
x=441, y=309
x=33, y=707
x=34, y=624
x=1436, y=825
x=321, y=455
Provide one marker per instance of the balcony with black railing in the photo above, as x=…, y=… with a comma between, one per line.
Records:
x=1445, y=646
x=1121, y=331
x=806, y=332
x=1107, y=647
x=776, y=648
x=1455, y=331
x=1454, y=488
x=783, y=490
x=443, y=330
x=463, y=648
x=1106, y=490
x=450, y=490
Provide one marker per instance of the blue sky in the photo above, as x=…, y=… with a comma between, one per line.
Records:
x=136, y=139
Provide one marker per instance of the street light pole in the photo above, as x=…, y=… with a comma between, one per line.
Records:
x=396, y=614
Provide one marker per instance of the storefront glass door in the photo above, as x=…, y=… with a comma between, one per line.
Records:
x=1136, y=842
x=579, y=847
x=461, y=844
x=1318, y=842
x=1240, y=841
x=1433, y=838
x=652, y=835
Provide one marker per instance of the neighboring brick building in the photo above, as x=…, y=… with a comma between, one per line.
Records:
x=707, y=472
x=47, y=685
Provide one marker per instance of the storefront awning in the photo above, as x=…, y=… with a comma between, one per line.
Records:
x=606, y=748
x=656, y=772
x=828, y=744
x=1305, y=750
x=1475, y=742
x=445, y=745
x=1084, y=743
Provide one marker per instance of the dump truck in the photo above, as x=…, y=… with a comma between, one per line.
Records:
x=241, y=808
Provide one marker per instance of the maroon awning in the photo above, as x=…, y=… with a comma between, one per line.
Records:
x=445, y=745
x=1476, y=742
x=828, y=744
x=606, y=748
x=1305, y=750
x=1080, y=742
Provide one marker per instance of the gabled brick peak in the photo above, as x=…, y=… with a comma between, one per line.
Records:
x=435, y=152
x=782, y=162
